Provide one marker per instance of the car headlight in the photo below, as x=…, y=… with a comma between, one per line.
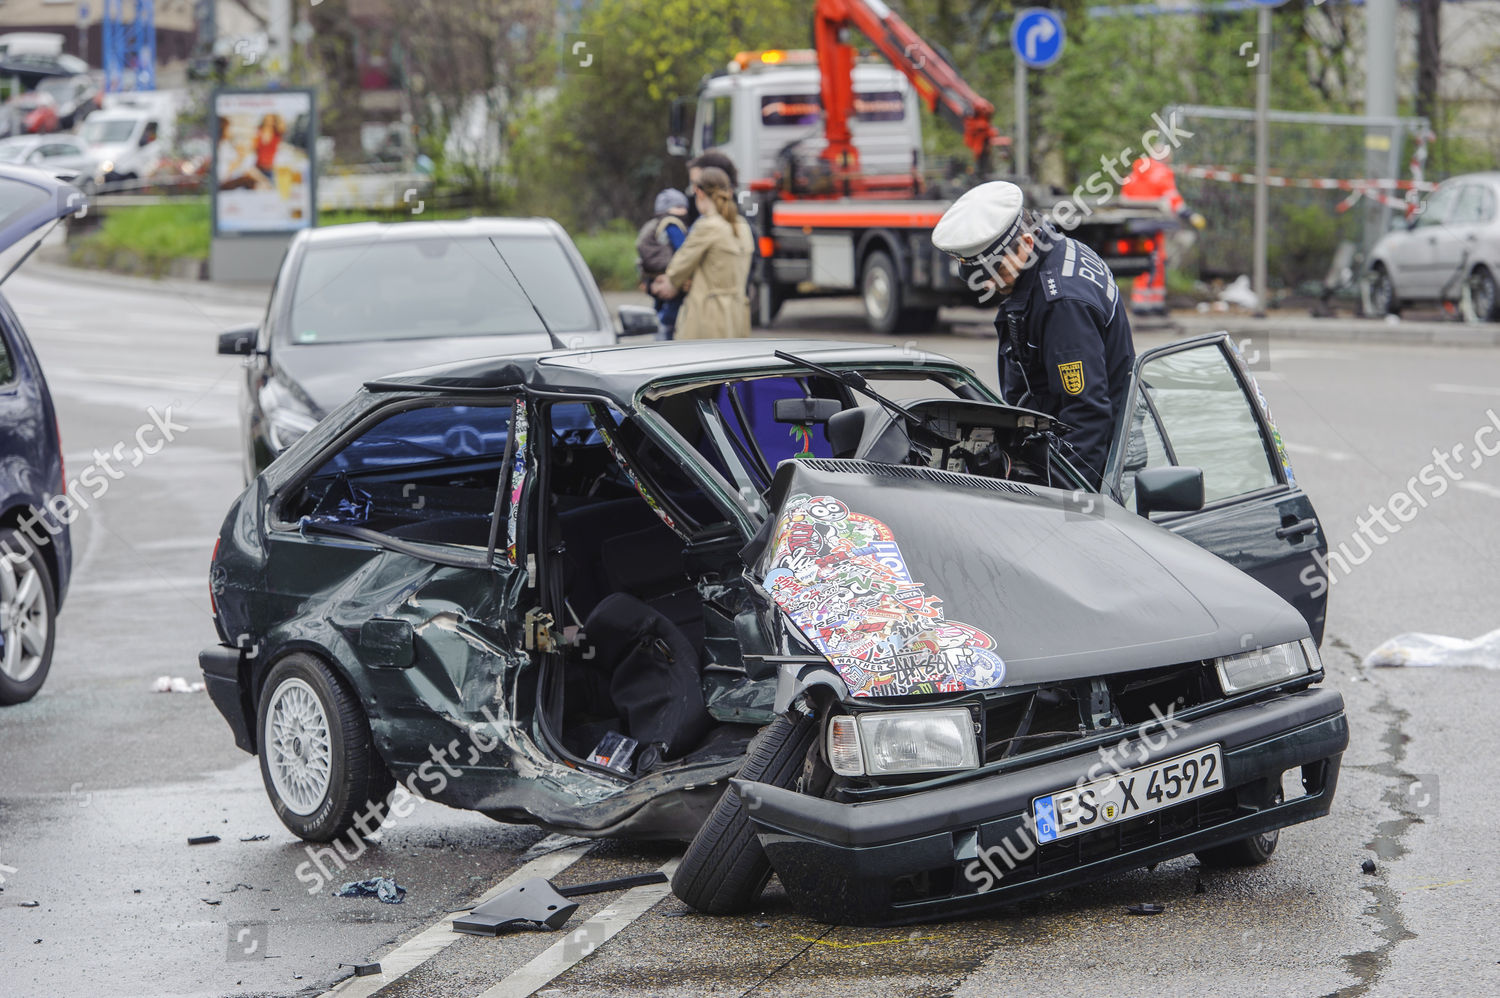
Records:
x=106, y=168
x=1266, y=666
x=902, y=741
x=287, y=418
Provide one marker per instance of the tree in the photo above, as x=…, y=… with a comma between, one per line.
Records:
x=470, y=66
x=333, y=49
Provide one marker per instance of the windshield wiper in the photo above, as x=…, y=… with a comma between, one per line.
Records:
x=855, y=381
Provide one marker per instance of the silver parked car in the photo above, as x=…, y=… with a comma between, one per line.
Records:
x=1448, y=252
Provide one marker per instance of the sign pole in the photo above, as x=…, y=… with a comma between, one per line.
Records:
x=1021, y=141
x=1262, y=152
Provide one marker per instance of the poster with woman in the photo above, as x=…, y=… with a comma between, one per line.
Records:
x=264, y=161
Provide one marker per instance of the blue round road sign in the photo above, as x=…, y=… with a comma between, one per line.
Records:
x=1037, y=37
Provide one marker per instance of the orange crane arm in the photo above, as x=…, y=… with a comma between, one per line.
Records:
x=937, y=83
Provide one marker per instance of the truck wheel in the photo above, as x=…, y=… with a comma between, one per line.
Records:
x=884, y=298
x=317, y=757
x=725, y=869
x=28, y=610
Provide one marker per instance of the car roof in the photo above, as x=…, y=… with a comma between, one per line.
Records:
x=360, y=232
x=620, y=372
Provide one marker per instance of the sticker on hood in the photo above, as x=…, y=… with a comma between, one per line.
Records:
x=841, y=578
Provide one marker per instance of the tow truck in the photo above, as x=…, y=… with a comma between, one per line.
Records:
x=828, y=145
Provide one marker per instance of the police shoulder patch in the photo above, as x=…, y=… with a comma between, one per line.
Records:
x=1072, y=376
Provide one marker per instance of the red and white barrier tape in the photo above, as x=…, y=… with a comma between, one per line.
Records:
x=1368, y=186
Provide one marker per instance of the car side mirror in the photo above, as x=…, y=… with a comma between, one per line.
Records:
x=1172, y=489
x=807, y=410
x=238, y=342
x=638, y=320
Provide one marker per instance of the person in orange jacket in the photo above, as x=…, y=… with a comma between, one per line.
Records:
x=1153, y=182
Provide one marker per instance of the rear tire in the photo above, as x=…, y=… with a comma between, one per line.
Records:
x=28, y=618
x=725, y=869
x=1484, y=296
x=1380, y=293
x=317, y=756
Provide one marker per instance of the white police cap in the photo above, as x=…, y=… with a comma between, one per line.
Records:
x=984, y=220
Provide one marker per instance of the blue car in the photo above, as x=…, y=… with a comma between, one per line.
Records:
x=35, y=551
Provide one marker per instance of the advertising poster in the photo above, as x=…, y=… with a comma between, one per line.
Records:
x=264, y=167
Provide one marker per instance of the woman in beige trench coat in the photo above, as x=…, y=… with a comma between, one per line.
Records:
x=714, y=263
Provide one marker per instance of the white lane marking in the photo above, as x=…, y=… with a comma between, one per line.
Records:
x=582, y=941
x=435, y=938
x=1466, y=389
x=1331, y=455
x=1482, y=488
x=123, y=587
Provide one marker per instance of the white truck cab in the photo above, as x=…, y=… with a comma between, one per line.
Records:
x=769, y=101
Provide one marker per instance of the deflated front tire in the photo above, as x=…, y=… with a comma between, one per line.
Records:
x=317, y=757
x=725, y=869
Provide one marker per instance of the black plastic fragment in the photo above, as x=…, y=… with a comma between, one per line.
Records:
x=202, y=840
x=617, y=884
x=1368, y=866
x=365, y=969
x=531, y=901
x=1145, y=909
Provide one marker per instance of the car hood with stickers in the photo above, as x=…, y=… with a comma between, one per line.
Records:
x=911, y=589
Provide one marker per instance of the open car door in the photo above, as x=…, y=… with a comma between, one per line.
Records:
x=1194, y=404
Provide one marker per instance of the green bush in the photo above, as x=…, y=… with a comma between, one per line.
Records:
x=145, y=240
x=610, y=255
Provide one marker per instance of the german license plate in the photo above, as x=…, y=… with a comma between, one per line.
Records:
x=1127, y=795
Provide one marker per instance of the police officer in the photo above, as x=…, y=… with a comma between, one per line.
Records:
x=1065, y=346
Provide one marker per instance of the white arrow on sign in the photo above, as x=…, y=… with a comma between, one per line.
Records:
x=1042, y=30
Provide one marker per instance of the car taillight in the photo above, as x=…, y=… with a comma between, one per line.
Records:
x=1148, y=245
x=213, y=603
x=767, y=247
x=1122, y=247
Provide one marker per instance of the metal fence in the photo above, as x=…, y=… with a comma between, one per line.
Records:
x=1333, y=178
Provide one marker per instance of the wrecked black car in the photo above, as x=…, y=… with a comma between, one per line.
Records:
x=828, y=610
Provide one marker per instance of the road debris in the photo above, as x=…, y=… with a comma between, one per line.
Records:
x=384, y=889
x=254, y=838
x=202, y=840
x=1368, y=866
x=531, y=901
x=617, y=884
x=31, y=904
x=1417, y=649
x=1149, y=908
x=363, y=969
x=175, y=684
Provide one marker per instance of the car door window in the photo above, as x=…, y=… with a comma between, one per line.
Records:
x=1436, y=209
x=1193, y=410
x=427, y=473
x=1469, y=208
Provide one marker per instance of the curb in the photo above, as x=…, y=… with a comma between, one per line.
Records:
x=49, y=262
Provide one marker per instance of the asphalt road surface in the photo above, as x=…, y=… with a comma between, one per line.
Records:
x=102, y=780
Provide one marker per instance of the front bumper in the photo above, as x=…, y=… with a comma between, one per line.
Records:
x=905, y=859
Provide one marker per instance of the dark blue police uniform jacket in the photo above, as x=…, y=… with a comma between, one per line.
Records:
x=1065, y=348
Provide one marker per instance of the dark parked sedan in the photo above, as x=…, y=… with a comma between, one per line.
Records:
x=36, y=555
x=353, y=302
x=936, y=670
